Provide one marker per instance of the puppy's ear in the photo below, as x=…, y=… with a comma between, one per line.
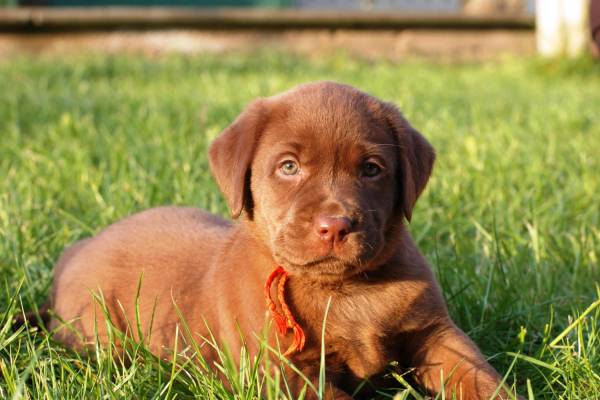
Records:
x=231, y=154
x=416, y=157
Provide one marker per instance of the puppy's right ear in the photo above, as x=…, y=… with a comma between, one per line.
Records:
x=231, y=154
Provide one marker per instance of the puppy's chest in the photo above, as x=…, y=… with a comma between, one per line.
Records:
x=364, y=347
x=357, y=334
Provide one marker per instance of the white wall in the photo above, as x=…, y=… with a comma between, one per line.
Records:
x=562, y=27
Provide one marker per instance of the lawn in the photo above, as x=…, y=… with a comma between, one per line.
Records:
x=510, y=220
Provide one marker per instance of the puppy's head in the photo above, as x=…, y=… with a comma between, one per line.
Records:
x=324, y=174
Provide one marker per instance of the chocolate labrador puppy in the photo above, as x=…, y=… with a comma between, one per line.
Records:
x=321, y=179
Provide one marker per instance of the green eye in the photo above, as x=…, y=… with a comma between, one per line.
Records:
x=289, y=167
x=371, y=169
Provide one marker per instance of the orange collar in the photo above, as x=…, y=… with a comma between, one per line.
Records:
x=286, y=320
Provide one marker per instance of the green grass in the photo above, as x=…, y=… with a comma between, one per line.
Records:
x=510, y=220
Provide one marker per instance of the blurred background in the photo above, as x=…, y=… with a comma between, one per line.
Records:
x=448, y=29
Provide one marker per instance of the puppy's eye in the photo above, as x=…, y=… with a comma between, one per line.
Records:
x=370, y=169
x=289, y=167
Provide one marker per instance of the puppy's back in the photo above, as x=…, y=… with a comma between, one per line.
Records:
x=167, y=250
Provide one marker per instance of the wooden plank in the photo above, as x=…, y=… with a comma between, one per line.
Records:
x=40, y=19
x=394, y=44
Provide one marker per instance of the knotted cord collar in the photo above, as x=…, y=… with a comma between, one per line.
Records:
x=285, y=320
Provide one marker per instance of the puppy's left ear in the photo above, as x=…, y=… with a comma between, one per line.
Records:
x=416, y=157
x=231, y=154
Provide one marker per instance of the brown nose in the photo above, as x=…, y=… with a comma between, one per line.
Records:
x=333, y=229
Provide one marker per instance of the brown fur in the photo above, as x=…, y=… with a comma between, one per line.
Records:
x=385, y=303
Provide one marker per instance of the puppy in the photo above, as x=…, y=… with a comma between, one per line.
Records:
x=321, y=179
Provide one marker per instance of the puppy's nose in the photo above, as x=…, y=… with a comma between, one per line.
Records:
x=333, y=229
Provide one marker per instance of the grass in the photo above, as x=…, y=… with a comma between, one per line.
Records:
x=510, y=221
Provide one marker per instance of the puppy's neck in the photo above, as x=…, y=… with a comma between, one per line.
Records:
x=249, y=246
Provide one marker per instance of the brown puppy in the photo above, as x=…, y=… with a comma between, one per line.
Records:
x=321, y=178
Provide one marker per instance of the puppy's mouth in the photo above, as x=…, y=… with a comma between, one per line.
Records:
x=297, y=263
x=334, y=260
x=321, y=266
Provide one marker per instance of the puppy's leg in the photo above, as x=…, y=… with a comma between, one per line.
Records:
x=33, y=319
x=446, y=359
x=297, y=383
